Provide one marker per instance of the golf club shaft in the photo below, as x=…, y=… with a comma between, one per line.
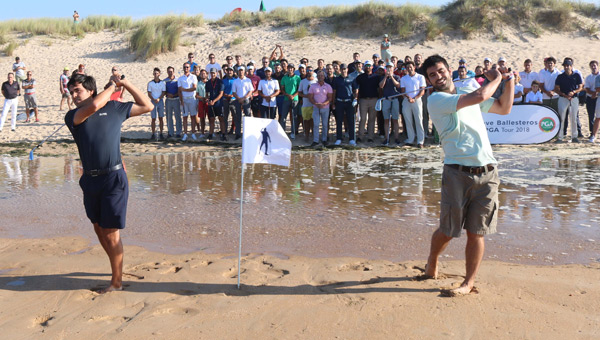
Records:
x=45, y=139
x=429, y=87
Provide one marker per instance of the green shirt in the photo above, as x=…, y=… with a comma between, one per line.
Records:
x=291, y=85
x=463, y=133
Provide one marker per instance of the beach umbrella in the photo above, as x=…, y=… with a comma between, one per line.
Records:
x=239, y=9
x=262, y=7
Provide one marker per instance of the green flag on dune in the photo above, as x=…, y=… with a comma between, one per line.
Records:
x=262, y=7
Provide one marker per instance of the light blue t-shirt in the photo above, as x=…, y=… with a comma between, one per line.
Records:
x=463, y=133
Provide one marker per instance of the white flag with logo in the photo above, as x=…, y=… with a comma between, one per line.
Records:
x=264, y=141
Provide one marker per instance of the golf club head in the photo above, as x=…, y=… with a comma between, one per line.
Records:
x=31, y=155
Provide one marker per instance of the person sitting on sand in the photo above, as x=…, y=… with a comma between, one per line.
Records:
x=470, y=176
x=535, y=95
x=96, y=128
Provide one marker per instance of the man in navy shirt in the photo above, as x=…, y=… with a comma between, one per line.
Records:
x=214, y=91
x=172, y=106
x=367, y=86
x=96, y=128
x=343, y=94
x=568, y=84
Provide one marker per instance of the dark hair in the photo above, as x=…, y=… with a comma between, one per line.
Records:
x=282, y=60
x=527, y=61
x=535, y=82
x=157, y=69
x=551, y=59
x=88, y=83
x=170, y=67
x=432, y=61
x=409, y=63
x=593, y=62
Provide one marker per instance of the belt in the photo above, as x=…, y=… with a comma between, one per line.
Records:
x=344, y=100
x=98, y=172
x=173, y=98
x=477, y=170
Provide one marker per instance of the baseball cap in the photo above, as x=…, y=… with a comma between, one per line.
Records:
x=462, y=60
x=65, y=69
x=343, y=66
x=501, y=59
x=567, y=61
x=268, y=69
x=487, y=59
x=389, y=65
x=251, y=67
x=291, y=65
x=385, y=35
x=241, y=68
x=213, y=70
x=368, y=62
x=301, y=66
x=376, y=55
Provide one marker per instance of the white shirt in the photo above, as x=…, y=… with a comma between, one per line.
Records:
x=470, y=82
x=268, y=87
x=215, y=65
x=533, y=97
x=304, y=86
x=518, y=88
x=590, y=82
x=549, y=79
x=187, y=83
x=528, y=78
x=156, y=89
x=412, y=84
x=242, y=87
x=21, y=72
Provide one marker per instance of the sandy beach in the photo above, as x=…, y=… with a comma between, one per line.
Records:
x=46, y=285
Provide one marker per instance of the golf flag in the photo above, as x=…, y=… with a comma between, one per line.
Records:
x=262, y=7
x=264, y=141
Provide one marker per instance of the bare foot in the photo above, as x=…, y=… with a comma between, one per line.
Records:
x=463, y=290
x=427, y=274
x=109, y=289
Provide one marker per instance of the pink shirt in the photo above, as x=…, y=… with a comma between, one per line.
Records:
x=320, y=92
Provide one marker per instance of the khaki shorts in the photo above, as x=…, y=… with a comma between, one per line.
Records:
x=307, y=113
x=469, y=201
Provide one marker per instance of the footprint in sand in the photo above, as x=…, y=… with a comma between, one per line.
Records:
x=359, y=266
x=43, y=320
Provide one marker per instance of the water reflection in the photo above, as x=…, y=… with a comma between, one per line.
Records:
x=378, y=204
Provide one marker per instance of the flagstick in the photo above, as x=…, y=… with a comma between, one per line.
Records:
x=241, y=214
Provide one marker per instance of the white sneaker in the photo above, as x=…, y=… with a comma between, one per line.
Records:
x=352, y=142
x=184, y=138
x=592, y=139
x=194, y=137
x=338, y=142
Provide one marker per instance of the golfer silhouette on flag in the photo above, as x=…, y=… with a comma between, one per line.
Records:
x=265, y=140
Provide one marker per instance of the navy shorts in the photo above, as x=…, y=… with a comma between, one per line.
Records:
x=105, y=198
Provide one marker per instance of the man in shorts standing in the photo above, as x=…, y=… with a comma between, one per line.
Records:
x=156, y=92
x=30, y=101
x=307, y=106
x=64, y=90
x=96, y=128
x=187, y=91
x=470, y=177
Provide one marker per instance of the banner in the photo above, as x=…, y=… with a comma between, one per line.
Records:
x=525, y=124
x=264, y=141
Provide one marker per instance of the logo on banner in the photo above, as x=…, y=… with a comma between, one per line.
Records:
x=547, y=124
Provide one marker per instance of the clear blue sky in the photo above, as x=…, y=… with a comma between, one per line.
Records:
x=213, y=9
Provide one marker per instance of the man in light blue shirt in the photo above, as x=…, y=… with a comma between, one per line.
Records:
x=470, y=178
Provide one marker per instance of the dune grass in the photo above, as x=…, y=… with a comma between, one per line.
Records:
x=160, y=34
x=10, y=48
x=299, y=32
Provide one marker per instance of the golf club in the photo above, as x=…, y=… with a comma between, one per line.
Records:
x=42, y=142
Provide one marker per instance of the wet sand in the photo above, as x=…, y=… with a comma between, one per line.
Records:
x=369, y=204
